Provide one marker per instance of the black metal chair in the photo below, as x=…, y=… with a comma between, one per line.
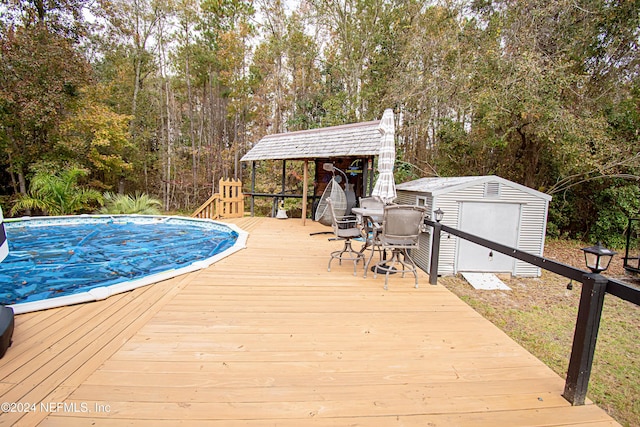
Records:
x=345, y=228
x=401, y=228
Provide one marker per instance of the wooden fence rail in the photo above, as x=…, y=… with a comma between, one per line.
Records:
x=228, y=203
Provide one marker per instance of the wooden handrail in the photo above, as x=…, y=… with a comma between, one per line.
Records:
x=207, y=208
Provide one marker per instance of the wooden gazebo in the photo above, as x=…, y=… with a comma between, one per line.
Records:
x=351, y=148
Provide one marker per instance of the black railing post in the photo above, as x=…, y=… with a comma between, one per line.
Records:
x=435, y=253
x=584, y=340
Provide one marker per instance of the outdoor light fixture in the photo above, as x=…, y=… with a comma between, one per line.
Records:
x=598, y=257
x=439, y=214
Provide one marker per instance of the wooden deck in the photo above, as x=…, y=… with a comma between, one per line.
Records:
x=269, y=337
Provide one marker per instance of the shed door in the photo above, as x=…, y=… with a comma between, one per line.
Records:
x=498, y=222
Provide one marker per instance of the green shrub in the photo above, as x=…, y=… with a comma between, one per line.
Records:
x=124, y=204
x=58, y=193
x=615, y=206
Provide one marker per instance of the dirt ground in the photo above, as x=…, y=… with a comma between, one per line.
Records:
x=569, y=252
x=549, y=288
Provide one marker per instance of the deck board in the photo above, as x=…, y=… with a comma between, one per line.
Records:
x=269, y=337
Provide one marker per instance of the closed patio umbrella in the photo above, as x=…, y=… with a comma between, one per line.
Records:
x=385, y=187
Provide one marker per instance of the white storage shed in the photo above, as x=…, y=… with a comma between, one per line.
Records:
x=487, y=206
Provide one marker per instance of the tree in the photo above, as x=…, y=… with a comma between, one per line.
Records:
x=98, y=138
x=61, y=17
x=131, y=27
x=553, y=98
x=432, y=87
x=40, y=79
x=541, y=95
x=187, y=15
x=352, y=25
x=270, y=65
x=305, y=94
x=231, y=47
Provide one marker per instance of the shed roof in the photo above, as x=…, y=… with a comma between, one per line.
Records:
x=439, y=185
x=358, y=139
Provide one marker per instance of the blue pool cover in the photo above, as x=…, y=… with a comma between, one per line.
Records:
x=54, y=257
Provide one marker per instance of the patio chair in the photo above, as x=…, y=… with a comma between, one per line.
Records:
x=401, y=227
x=345, y=228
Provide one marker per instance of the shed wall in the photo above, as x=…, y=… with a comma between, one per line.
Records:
x=530, y=235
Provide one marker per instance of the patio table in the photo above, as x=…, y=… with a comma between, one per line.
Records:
x=374, y=214
x=371, y=221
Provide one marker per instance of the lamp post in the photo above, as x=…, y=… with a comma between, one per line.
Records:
x=597, y=257
x=594, y=287
x=438, y=214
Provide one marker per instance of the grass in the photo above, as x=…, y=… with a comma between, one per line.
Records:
x=540, y=314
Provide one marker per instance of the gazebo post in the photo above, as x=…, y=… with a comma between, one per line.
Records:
x=253, y=185
x=284, y=182
x=305, y=174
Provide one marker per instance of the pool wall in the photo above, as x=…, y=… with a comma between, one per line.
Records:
x=101, y=293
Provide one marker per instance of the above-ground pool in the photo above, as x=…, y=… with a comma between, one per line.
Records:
x=55, y=261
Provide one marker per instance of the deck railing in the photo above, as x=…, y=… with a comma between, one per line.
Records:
x=228, y=203
x=594, y=288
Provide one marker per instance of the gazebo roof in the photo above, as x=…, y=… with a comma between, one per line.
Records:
x=353, y=140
